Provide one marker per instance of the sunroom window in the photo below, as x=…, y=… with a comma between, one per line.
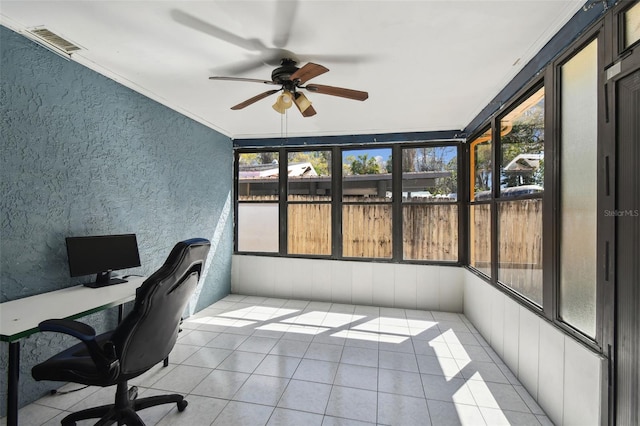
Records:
x=520, y=198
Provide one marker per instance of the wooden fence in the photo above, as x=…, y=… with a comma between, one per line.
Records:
x=519, y=244
x=430, y=231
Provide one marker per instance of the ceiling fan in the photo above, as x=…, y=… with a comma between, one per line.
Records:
x=260, y=52
x=291, y=79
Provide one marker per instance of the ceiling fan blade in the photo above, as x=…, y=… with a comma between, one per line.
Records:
x=254, y=99
x=250, y=80
x=336, y=58
x=212, y=30
x=308, y=112
x=308, y=72
x=303, y=104
x=285, y=17
x=338, y=91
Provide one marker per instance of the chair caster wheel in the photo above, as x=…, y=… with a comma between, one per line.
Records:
x=182, y=405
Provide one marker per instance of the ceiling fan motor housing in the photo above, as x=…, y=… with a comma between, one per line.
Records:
x=282, y=74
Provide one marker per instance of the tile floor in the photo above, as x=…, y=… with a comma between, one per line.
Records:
x=259, y=361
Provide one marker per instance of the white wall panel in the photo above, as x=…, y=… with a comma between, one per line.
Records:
x=551, y=370
x=562, y=375
x=582, y=403
x=405, y=290
x=362, y=283
x=428, y=287
x=451, y=289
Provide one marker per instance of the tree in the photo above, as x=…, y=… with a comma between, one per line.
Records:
x=258, y=158
x=363, y=165
x=526, y=137
x=482, y=167
x=320, y=160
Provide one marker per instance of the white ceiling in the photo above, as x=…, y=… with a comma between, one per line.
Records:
x=428, y=65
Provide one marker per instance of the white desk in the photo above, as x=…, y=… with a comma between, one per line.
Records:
x=20, y=318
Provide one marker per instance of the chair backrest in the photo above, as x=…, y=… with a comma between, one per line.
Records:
x=147, y=335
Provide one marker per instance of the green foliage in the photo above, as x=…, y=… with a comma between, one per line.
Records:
x=258, y=158
x=483, y=167
x=320, y=160
x=525, y=137
x=363, y=165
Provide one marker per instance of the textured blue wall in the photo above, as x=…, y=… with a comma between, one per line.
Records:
x=83, y=155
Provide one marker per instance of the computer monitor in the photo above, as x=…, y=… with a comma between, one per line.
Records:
x=101, y=254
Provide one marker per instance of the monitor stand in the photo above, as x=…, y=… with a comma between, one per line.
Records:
x=104, y=279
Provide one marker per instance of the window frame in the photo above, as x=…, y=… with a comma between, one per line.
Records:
x=475, y=202
x=549, y=77
x=459, y=203
x=495, y=200
x=343, y=203
x=337, y=199
x=497, y=196
x=288, y=203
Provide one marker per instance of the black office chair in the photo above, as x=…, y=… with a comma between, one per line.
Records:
x=143, y=339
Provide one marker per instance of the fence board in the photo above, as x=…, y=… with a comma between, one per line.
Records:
x=430, y=231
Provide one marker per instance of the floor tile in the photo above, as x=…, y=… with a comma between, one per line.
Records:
x=447, y=367
x=258, y=344
x=245, y=362
x=253, y=360
x=221, y=384
x=400, y=382
x=398, y=361
x=356, y=404
x=207, y=357
x=450, y=414
x=340, y=421
x=306, y=396
x=293, y=348
x=441, y=389
x=62, y=400
x=499, y=417
x=402, y=410
x=243, y=414
x=324, y=352
x=36, y=414
x=182, y=379
x=485, y=371
x=405, y=345
x=197, y=337
x=201, y=411
x=316, y=371
x=279, y=366
x=497, y=395
x=181, y=352
x=227, y=341
x=265, y=390
x=360, y=356
x=285, y=417
x=357, y=376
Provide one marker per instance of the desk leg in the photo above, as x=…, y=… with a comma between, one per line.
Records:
x=12, y=387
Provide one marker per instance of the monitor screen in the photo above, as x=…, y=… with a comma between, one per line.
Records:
x=100, y=255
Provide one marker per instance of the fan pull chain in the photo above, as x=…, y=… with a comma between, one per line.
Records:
x=284, y=124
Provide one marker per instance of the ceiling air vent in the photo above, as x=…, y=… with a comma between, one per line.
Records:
x=53, y=41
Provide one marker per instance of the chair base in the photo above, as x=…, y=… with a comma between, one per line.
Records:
x=123, y=411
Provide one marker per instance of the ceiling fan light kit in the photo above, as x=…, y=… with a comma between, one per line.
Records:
x=291, y=80
x=284, y=102
x=302, y=102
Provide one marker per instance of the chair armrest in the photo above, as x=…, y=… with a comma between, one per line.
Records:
x=104, y=357
x=73, y=328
